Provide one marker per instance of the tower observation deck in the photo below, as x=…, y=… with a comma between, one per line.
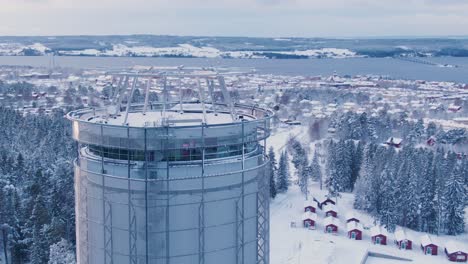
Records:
x=177, y=180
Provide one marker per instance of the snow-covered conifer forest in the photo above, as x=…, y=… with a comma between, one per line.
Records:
x=391, y=151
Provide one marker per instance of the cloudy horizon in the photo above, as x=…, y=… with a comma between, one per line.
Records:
x=251, y=18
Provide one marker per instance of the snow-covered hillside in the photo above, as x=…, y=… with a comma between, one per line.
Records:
x=298, y=245
x=181, y=50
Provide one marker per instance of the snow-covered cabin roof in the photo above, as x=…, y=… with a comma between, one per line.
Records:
x=378, y=230
x=351, y=215
x=453, y=247
x=426, y=240
x=309, y=203
x=320, y=198
x=309, y=215
x=330, y=220
x=330, y=207
x=394, y=140
x=354, y=226
x=400, y=235
x=454, y=107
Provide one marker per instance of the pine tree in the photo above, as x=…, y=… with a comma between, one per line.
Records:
x=306, y=175
x=455, y=205
x=316, y=171
x=272, y=172
x=283, y=174
x=356, y=162
x=61, y=253
x=39, y=219
x=389, y=203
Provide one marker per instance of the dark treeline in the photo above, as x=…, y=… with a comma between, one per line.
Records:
x=36, y=187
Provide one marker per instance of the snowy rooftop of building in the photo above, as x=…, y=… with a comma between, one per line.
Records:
x=309, y=215
x=330, y=220
x=354, y=226
x=330, y=207
x=400, y=235
x=158, y=118
x=378, y=230
x=426, y=240
x=453, y=247
x=309, y=203
x=351, y=215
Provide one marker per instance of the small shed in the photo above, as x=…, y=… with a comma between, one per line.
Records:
x=309, y=207
x=456, y=252
x=379, y=235
x=354, y=230
x=331, y=225
x=454, y=108
x=351, y=217
x=322, y=201
x=394, y=142
x=402, y=240
x=309, y=220
x=330, y=210
x=431, y=141
x=428, y=246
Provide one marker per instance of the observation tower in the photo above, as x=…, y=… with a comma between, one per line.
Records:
x=177, y=180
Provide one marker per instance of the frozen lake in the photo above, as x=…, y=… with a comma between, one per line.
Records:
x=310, y=67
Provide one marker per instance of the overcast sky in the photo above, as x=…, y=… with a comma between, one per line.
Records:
x=262, y=18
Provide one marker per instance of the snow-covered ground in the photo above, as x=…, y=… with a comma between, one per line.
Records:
x=182, y=50
x=300, y=246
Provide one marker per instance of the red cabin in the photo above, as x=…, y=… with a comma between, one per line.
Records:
x=455, y=252
x=330, y=210
x=354, y=230
x=379, y=235
x=309, y=220
x=427, y=246
x=402, y=241
x=308, y=207
x=331, y=225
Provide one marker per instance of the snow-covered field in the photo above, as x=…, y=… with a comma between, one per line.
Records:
x=182, y=50
x=300, y=246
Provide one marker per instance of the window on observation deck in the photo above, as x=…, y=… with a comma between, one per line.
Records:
x=184, y=153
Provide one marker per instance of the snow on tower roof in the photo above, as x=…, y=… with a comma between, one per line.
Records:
x=354, y=226
x=309, y=215
x=330, y=220
x=453, y=247
x=156, y=118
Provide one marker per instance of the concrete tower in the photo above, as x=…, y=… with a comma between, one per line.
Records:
x=179, y=180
